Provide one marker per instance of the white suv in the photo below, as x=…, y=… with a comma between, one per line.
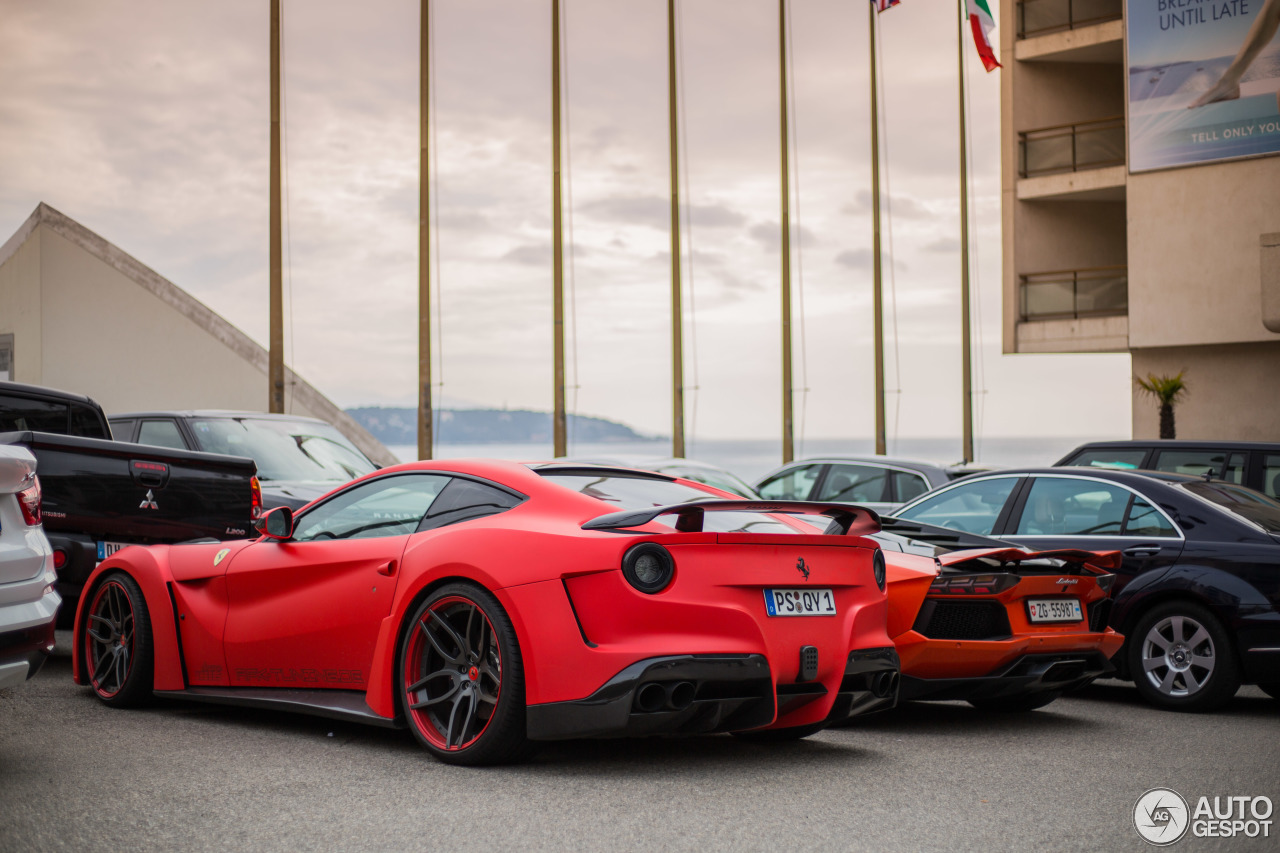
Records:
x=28, y=600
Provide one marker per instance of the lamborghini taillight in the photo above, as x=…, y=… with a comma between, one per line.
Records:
x=256, y=489
x=972, y=584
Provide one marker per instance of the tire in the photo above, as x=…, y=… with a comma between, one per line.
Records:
x=1271, y=688
x=118, y=650
x=1180, y=658
x=780, y=735
x=1015, y=704
x=460, y=679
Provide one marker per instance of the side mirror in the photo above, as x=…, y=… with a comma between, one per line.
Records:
x=276, y=523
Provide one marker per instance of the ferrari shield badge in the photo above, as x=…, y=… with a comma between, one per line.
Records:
x=217, y=558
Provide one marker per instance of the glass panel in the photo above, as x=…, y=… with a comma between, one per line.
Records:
x=972, y=507
x=1246, y=503
x=463, y=500
x=909, y=486
x=285, y=450
x=19, y=413
x=1048, y=299
x=1235, y=469
x=791, y=485
x=1197, y=463
x=855, y=484
x=1044, y=15
x=1102, y=295
x=1062, y=507
x=388, y=506
x=161, y=434
x=1271, y=475
x=86, y=422
x=1145, y=521
x=1104, y=458
x=1101, y=146
x=1048, y=154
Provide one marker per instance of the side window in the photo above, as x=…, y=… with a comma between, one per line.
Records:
x=86, y=422
x=1101, y=457
x=973, y=507
x=1144, y=520
x=161, y=434
x=1194, y=462
x=792, y=485
x=908, y=487
x=1271, y=475
x=463, y=500
x=1235, y=469
x=855, y=484
x=1063, y=507
x=122, y=430
x=19, y=413
x=387, y=506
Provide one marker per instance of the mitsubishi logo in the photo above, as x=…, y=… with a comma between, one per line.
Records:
x=149, y=502
x=802, y=568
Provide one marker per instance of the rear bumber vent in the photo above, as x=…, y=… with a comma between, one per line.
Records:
x=962, y=620
x=1099, y=613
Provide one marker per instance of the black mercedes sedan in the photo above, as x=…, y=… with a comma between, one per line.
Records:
x=1198, y=593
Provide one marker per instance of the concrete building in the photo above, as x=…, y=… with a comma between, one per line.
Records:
x=1177, y=265
x=77, y=313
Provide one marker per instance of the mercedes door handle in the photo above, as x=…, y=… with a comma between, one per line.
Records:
x=389, y=569
x=1142, y=551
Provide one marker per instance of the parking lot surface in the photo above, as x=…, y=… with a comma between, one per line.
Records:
x=76, y=775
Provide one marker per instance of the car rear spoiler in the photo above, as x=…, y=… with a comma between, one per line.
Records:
x=1097, y=562
x=845, y=519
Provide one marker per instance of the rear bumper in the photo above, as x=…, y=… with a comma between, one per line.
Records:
x=1026, y=676
x=701, y=694
x=23, y=651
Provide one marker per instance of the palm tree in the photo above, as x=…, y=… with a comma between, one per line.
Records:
x=1168, y=390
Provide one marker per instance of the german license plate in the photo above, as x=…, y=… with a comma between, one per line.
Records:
x=106, y=549
x=1054, y=610
x=800, y=602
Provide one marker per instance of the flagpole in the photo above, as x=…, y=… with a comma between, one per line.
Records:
x=558, y=418
x=787, y=445
x=425, y=409
x=965, y=345
x=876, y=300
x=677, y=324
x=275, y=335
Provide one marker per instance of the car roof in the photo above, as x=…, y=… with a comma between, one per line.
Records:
x=212, y=413
x=1131, y=476
x=1173, y=443
x=49, y=393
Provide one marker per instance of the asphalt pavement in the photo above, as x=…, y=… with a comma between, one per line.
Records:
x=76, y=775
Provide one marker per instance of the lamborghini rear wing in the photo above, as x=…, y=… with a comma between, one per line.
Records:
x=845, y=519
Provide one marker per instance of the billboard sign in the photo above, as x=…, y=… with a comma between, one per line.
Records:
x=1204, y=81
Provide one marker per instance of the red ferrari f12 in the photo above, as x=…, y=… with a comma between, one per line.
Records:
x=487, y=605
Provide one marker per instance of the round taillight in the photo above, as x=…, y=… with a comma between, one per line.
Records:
x=59, y=558
x=878, y=568
x=648, y=567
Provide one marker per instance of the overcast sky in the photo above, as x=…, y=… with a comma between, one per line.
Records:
x=148, y=122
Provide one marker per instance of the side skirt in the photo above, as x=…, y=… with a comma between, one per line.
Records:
x=349, y=705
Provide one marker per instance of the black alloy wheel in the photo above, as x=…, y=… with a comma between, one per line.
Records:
x=1181, y=658
x=461, y=682
x=118, y=650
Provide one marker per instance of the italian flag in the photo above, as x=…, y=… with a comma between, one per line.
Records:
x=982, y=23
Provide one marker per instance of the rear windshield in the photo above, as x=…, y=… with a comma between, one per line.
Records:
x=291, y=451
x=625, y=492
x=1252, y=506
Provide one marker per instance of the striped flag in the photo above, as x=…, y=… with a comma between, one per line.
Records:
x=982, y=23
x=881, y=5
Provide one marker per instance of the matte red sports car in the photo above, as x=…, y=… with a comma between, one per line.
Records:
x=983, y=620
x=488, y=604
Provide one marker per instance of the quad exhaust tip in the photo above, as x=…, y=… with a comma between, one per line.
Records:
x=665, y=696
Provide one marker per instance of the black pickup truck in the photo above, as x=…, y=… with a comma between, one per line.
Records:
x=100, y=495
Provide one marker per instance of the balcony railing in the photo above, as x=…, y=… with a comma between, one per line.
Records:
x=1041, y=17
x=1071, y=147
x=1071, y=294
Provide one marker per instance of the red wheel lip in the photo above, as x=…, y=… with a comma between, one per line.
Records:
x=420, y=719
x=89, y=641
